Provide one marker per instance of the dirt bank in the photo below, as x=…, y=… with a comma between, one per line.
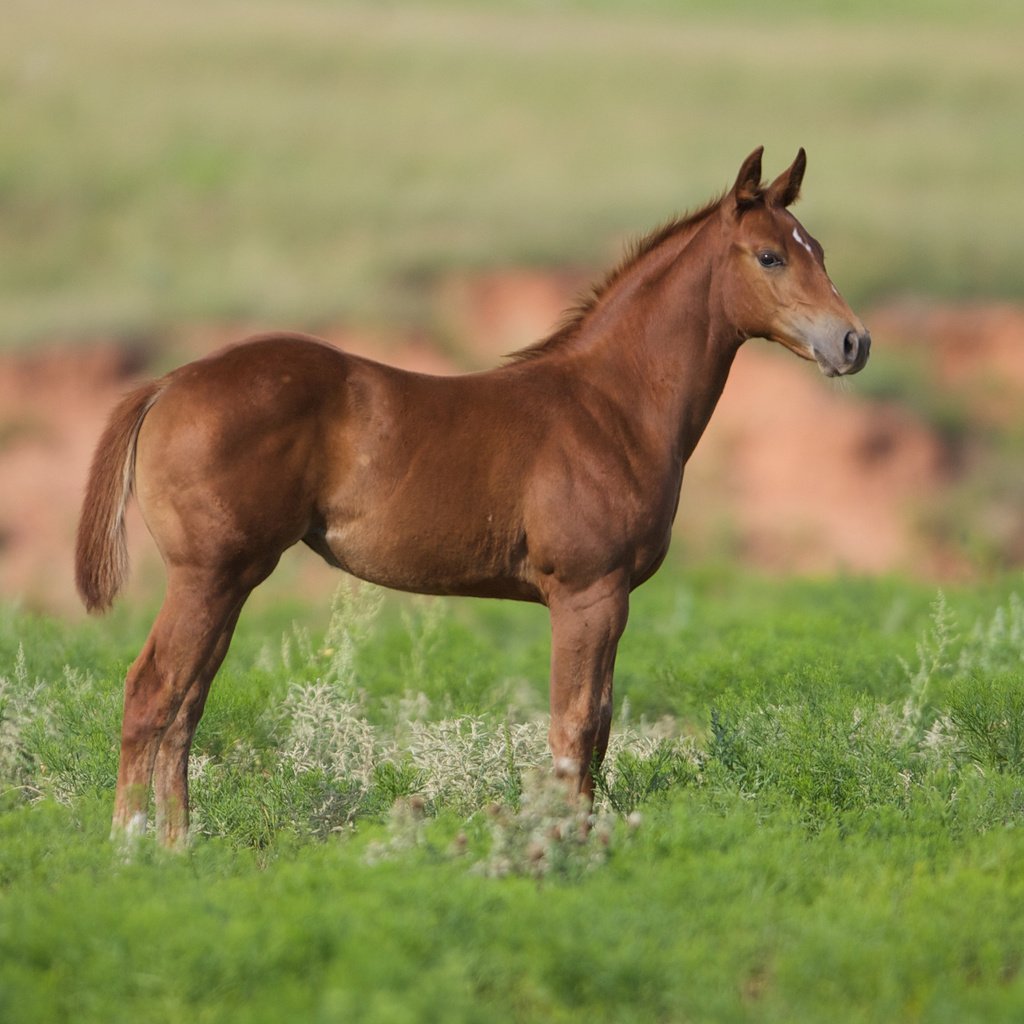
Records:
x=795, y=473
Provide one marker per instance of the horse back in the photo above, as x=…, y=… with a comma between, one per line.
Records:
x=409, y=480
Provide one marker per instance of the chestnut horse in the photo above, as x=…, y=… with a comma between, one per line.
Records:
x=554, y=478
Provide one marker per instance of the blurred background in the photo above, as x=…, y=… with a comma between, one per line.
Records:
x=432, y=183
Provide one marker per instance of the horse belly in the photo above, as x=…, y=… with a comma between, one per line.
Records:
x=416, y=553
x=424, y=491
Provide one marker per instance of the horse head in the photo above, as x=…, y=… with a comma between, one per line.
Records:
x=775, y=285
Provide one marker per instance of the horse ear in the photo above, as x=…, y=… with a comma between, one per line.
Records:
x=747, y=189
x=785, y=189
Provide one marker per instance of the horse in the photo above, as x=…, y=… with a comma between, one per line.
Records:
x=553, y=478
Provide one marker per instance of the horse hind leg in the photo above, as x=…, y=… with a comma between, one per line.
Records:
x=185, y=637
x=170, y=776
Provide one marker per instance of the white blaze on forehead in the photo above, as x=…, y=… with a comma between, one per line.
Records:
x=803, y=241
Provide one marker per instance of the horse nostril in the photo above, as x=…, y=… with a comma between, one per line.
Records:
x=850, y=343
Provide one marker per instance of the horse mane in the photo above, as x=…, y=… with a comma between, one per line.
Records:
x=573, y=318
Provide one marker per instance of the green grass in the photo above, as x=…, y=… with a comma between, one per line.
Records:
x=308, y=162
x=812, y=810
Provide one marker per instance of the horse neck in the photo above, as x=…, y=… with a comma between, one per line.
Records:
x=660, y=343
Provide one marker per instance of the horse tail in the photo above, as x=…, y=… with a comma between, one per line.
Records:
x=101, y=554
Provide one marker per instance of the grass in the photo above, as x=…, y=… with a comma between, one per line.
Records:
x=310, y=162
x=811, y=811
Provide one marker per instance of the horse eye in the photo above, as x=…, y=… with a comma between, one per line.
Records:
x=769, y=259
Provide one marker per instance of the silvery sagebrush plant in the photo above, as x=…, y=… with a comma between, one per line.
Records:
x=934, y=657
x=20, y=708
x=552, y=834
x=467, y=761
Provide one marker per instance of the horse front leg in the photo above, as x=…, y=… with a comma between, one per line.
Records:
x=586, y=626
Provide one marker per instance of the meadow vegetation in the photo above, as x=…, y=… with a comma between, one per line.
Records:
x=811, y=809
x=310, y=163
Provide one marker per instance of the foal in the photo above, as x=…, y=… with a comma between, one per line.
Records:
x=554, y=478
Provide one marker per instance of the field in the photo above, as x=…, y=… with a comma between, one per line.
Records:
x=812, y=811
x=313, y=162
x=813, y=803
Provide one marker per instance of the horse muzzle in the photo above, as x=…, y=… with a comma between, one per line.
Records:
x=849, y=357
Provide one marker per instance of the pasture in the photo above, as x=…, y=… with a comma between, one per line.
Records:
x=812, y=806
x=811, y=811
